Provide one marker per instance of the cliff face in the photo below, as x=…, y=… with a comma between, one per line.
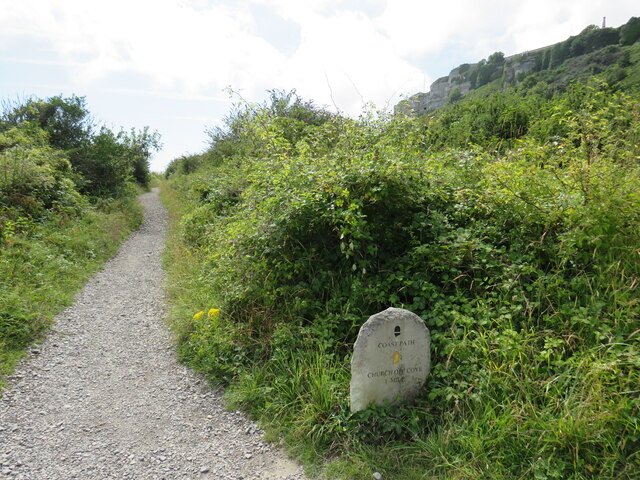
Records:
x=437, y=96
x=461, y=80
x=442, y=88
x=517, y=66
x=594, y=48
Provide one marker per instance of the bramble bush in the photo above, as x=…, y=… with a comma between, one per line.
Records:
x=103, y=161
x=520, y=252
x=35, y=179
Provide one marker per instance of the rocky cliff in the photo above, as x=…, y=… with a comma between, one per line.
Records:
x=461, y=80
x=593, y=49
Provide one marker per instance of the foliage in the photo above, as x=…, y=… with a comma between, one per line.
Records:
x=594, y=51
x=66, y=120
x=104, y=161
x=630, y=31
x=593, y=38
x=184, y=165
x=508, y=224
x=498, y=120
x=454, y=95
x=140, y=145
x=66, y=201
x=245, y=129
x=43, y=264
x=112, y=160
x=35, y=179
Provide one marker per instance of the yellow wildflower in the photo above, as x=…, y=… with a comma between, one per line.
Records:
x=198, y=315
x=214, y=312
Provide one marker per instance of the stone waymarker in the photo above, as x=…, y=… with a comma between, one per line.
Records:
x=391, y=359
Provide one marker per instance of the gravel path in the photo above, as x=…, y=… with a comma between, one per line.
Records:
x=103, y=397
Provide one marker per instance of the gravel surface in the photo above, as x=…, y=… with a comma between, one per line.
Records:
x=103, y=397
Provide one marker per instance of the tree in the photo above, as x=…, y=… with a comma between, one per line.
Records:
x=593, y=38
x=455, y=95
x=559, y=53
x=105, y=161
x=485, y=74
x=66, y=120
x=630, y=31
x=140, y=145
x=546, y=59
x=496, y=58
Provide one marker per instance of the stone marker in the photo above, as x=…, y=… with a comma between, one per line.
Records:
x=391, y=359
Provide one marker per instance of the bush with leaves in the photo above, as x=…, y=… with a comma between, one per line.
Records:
x=66, y=120
x=630, y=31
x=103, y=160
x=517, y=246
x=245, y=130
x=36, y=180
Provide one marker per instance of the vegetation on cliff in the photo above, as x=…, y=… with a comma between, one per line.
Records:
x=606, y=51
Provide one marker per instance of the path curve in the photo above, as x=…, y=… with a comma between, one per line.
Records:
x=103, y=397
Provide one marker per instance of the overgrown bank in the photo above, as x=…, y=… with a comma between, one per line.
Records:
x=67, y=200
x=42, y=267
x=518, y=246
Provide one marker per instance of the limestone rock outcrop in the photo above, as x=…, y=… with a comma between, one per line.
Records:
x=464, y=78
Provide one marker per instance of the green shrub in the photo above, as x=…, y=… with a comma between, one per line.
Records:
x=35, y=179
x=103, y=161
x=630, y=31
x=515, y=242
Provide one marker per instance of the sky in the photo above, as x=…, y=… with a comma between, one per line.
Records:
x=179, y=66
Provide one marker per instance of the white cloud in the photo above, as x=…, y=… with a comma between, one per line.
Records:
x=196, y=46
x=347, y=54
x=175, y=45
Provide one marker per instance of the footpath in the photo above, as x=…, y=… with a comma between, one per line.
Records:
x=103, y=397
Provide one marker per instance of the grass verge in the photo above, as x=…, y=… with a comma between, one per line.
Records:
x=43, y=266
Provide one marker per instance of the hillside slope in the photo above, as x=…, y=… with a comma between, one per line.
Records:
x=605, y=51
